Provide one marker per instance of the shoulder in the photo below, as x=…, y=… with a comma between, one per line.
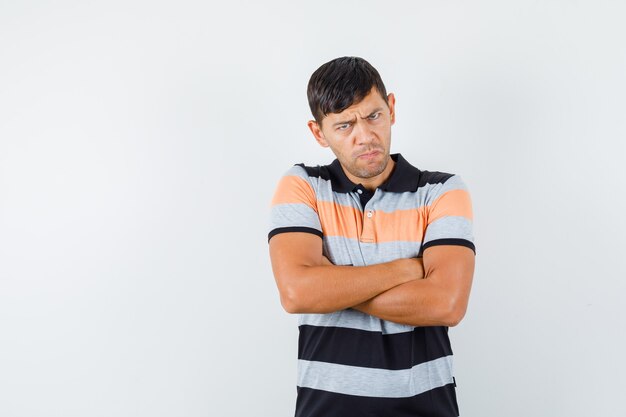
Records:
x=309, y=171
x=296, y=176
x=297, y=170
x=305, y=180
x=315, y=175
x=441, y=181
x=437, y=186
x=313, y=172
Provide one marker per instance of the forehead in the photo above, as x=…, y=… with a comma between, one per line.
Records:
x=370, y=102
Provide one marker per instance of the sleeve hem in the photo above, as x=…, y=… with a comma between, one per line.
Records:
x=457, y=242
x=280, y=230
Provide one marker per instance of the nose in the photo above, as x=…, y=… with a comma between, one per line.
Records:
x=363, y=135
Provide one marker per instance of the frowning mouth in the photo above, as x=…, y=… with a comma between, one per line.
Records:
x=369, y=155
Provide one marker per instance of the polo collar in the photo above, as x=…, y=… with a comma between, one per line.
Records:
x=403, y=178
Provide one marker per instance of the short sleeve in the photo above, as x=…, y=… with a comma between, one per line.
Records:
x=449, y=216
x=294, y=206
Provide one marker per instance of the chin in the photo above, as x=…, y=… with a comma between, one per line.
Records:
x=371, y=172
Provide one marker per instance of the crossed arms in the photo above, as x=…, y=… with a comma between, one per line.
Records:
x=432, y=291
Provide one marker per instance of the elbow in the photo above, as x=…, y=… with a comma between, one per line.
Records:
x=291, y=294
x=453, y=319
x=298, y=301
x=292, y=300
x=297, y=295
x=289, y=305
x=453, y=313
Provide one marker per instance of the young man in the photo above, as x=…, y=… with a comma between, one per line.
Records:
x=376, y=257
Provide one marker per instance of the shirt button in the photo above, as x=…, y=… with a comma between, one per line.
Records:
x=359, y=191
x=370, y=214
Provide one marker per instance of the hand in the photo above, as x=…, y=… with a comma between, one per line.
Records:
x=412, y=268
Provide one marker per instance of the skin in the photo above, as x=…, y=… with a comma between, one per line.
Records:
x=309, y=283
x=432, y=291
x=360, y=138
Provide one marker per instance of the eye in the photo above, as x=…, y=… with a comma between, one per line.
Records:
x=374, y=116
x=343, y=126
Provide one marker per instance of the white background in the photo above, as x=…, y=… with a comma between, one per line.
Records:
x=140, y=143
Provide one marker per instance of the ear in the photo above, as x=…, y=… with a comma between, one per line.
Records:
x=317, y=132
x=391, y=99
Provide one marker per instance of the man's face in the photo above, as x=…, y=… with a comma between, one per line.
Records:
x=359, y=136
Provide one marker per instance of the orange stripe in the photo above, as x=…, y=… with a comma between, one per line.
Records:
x=405, y=225
x=338, y=220
x=292, y=189
x=400, y=225
x=451, y=203
x=351, y=223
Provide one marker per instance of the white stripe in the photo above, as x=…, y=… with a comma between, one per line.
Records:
x=374, y=382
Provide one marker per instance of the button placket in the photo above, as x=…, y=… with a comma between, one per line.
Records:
x=368, y=226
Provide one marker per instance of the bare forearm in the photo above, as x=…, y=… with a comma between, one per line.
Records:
x=440, y=299
x=309, y=283
x=327, y=288
x=416, y=303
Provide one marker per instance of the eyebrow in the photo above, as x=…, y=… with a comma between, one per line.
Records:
x=343, y=122
x=377, y=109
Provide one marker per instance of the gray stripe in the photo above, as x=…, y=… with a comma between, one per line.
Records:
x=293, y=215
x=382, y=200
x=449, y=227
x=345, y=251
x=342, y=251
x=389, y=202
x=324, y=192
x=454, y=183
x=373, y=382
x=297, y=171
x=375, y=253
x=424, y=196
x=323, y=189
x=353, y=319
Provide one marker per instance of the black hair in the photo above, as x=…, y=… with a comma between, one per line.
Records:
x=340, y=83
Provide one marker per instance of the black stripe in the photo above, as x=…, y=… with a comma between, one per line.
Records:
x=279, y=230
x=433, y=177
x=373, y=349
x=438, y=402
x=404, y=177
x=457, y=242
x=316, y=171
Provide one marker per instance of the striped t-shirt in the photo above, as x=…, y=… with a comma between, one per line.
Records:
x=351, y=363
